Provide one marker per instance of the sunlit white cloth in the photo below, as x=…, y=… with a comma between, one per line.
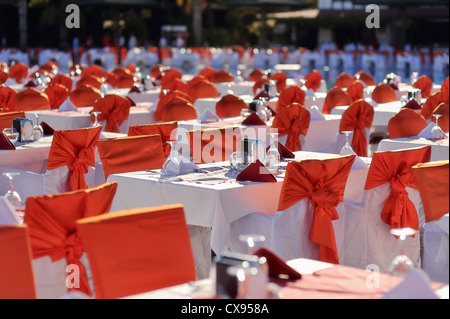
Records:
x=439, y=149
x=436, y=249
x=82, y=118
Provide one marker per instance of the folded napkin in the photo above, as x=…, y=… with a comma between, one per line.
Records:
x=310, y=94
x=426, y=132
x=358, y=163
x=253, y=119
x=315, y=113
x=284, y=151
x=413, y=105
x=262, y=94
x=30, y=84
x=10, y=82
x=395, y=87
x=256, y=172
x=277, y=266
x=67, y=106
x=5, y=143
x=134, y=89
x=208, y=117
x=185, y=164
x=416, y=285
x=48, y=130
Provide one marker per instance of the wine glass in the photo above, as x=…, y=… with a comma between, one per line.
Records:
x=171, y=166
x=38, y=131
x=273, y=157
x=436, y=132
x=346, y=148
x=96, y=123
x=245, y=112
x=11, y=134
x=252, y=278
x=252, y=241
x=237, y=161
x=401, y=265
x=13, y=196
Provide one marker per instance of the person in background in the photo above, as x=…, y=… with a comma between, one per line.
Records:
x=106, y=42
x=75, y=48
x=132, y=42
x=163, y=41
x=179, y=41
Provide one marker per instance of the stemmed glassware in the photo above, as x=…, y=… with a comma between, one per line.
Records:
x=171, y=166
x=96, y=122
x=273, y=157
x=347, y=148
x=252, y=241
x=402, y=264
x=11, y=134
x=38, y=131
x=436, y=132
x=238, y=161
x=13, y=196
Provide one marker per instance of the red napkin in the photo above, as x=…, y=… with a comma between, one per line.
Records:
x=5, y=143
x=134, y=89
x=262, y=94
x=253, y=119
x=284, y=151
x=48, y=130
x=277, y=266
x=413, y=105
x=30, y=84
x=256, y=172
x=395, y=87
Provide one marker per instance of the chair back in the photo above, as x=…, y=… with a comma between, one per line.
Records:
x=292, y=121
x=335, y=97
x=358, y=117
x=322, y=182
x=52, y=225
x=6, y=119
x=167, y=131
x=432, y=182
x=114, y=109
x=31, y=99
x=290, y=95
x=130, y=154
x=383, y=93
x=76, y=149
x=153, y=243
x=406, y=123
x=230, y=105
x=16, y=270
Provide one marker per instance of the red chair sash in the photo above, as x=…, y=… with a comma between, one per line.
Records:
x=74, y=148
x=292, y=121
x=52, y=223
x=322, y=182
x=357, y=118
x=114, y=109
x=394, y=167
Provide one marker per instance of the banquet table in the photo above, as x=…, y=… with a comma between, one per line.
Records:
x=319, y=280
x=212, y=198
x=145, y=96
x=82, y=118
x=382, y=114
x=439, y=149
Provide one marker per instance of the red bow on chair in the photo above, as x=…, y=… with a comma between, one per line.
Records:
x=322, y=182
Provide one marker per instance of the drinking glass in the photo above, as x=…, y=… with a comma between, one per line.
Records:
x=96, y=123
x=401, y=265
x=237, y=161
x=13, y=196
x=436, y=132
x=252, y=241
x=273, y=157
x=346, y=148
x=245, y=112
x=171, y=166
x=38, y=131
x=11, y=134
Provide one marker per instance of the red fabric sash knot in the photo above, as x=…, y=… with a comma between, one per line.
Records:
x=80, y=166
x=74, y=251
x=322, y=232
x=293, y=137
x=399, y=211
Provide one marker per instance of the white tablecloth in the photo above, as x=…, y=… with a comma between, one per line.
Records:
x=214, y=202
x=81, y=118
x=439, y=150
